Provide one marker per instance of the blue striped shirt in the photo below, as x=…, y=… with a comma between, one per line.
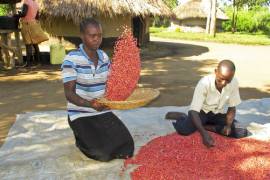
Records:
x=90, y=81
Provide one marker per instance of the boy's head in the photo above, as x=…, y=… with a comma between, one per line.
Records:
x=91, y=33
x=224, y=73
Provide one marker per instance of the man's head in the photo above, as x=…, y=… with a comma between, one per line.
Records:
x=224, y=73
x=91, y=33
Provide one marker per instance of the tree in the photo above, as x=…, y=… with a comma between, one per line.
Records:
x=253, y=3
x=4, y=9
x=208, y=20
x=170, y=3
x=237, y=4
x=213, y=17
x=164, y=21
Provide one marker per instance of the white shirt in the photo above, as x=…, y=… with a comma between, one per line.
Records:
x=206, y=97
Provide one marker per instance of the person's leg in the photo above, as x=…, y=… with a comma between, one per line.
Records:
x=103, y=137
x=185, y=126
x=219, y=120
x=29, y=54
x=85, y=133
x=238, y=131
x=76, y=134
x=117, y=140
x=175, y=115
x=216, y=122
x=37, y=54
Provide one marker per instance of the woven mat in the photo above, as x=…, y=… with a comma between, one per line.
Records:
x=40, y=145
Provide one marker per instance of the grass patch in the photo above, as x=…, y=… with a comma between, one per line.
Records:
x=224, y=37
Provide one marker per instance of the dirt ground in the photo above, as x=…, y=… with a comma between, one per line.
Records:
x=173, y=67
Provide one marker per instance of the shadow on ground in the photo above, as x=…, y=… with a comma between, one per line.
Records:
x=164, y=49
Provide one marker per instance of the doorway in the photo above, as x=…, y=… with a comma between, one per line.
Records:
x=138, y=29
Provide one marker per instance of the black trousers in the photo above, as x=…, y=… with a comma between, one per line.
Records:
x=102, y=137
x=185, y=126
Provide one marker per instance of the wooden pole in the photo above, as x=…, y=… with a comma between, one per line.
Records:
x=209, y=7
x=17, y=39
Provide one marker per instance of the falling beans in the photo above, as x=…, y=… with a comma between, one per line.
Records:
x=125, y=68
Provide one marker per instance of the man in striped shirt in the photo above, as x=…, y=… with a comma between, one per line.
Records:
x=99, y=134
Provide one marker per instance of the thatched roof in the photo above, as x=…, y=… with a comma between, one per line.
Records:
x=196, y=9
x=78, y=9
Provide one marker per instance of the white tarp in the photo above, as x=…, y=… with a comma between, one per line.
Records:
x=40, y=145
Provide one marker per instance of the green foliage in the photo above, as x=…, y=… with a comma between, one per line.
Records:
x=157, y=29
x=225, y=37
x=250, y=3
x=177, y=29
x=170, y=3
x=256, y=3
x=163, y=21
x=4, y=9
x=254, y=20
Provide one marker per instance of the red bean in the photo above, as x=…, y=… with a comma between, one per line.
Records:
x=125, y=68
x=185, y=157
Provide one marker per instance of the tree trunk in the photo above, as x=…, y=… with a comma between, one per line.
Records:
x=213, y=18
x=207, y=27
x=235, y=20
x=234, y=17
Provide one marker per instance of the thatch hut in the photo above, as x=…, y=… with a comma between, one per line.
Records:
x=61, y=18
x=192, y=16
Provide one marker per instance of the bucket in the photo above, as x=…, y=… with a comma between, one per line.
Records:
x=57, y=53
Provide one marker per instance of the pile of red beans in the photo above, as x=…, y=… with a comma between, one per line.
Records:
x=174, y=157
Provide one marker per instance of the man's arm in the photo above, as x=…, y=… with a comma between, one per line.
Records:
x=196, y=120
x=229, y=120
x=230, y=115
x=71, y=96
x=196, y=105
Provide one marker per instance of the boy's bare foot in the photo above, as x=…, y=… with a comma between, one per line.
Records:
x=174, y=115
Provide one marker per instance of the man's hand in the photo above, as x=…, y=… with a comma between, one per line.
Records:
x=208, y=141
x=226, y=131
x=98, y=106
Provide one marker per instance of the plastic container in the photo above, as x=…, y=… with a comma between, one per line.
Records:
x=57, y=53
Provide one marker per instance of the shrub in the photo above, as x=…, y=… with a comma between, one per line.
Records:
x=255, y=20
x=4, y=9
x=177, y=29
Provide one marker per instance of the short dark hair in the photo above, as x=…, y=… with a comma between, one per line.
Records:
x=227, y=63
x=88, y=21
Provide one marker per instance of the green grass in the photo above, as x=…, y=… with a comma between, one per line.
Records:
x=224, y=37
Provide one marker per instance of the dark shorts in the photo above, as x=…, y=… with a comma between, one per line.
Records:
x=102, y=137
x=185, y=126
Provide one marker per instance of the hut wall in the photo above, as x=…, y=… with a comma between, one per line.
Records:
x=193, y=25
x=111, y=26
x=193, y=22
